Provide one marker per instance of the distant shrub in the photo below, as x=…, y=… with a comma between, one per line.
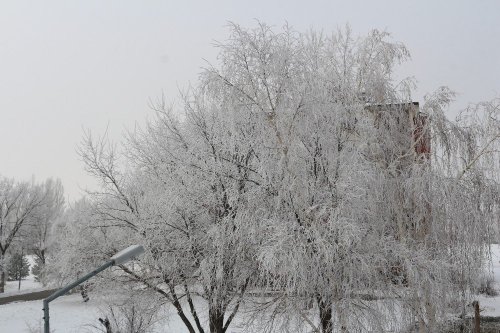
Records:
x=37, y=268
x=487, y=287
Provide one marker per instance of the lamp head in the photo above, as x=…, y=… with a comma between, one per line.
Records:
x=127, y=254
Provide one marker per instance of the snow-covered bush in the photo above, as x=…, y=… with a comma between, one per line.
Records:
x=132, y=315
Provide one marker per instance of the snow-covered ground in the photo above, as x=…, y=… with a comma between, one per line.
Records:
x=70, y=314
x=67, y=314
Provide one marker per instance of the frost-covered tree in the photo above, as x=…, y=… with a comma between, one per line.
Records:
x=187, y=203
x=80, y=244
x=37, y=231
x=301, y=101
x=299, y=166
x=18, y=202
x=27, y=211
x=44, y=217
x=466, y=195
x=355, y=205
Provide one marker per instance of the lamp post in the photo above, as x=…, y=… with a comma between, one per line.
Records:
x=118, y=259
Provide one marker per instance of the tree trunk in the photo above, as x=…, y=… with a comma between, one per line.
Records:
x=2, y=272
x=477, y=317
x=2, y=281
x=216, y=320
x=325, y=316
x=107, y=324
x=430, y=310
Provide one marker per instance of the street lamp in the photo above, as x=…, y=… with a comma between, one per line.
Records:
x=118, y=259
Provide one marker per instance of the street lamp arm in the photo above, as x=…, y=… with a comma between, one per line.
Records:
x=64, y=290
x=84, y=278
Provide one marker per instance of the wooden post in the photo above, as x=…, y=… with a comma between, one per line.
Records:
x=477, y=318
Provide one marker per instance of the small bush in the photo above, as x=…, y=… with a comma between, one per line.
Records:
x=133, y=315
x=487, y=287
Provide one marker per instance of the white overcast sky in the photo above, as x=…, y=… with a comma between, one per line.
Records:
x=68, y=65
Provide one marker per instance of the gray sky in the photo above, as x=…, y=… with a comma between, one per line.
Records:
x=69, y=65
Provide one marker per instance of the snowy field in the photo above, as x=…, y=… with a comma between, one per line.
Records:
x=70, y=314
x=67, y=314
